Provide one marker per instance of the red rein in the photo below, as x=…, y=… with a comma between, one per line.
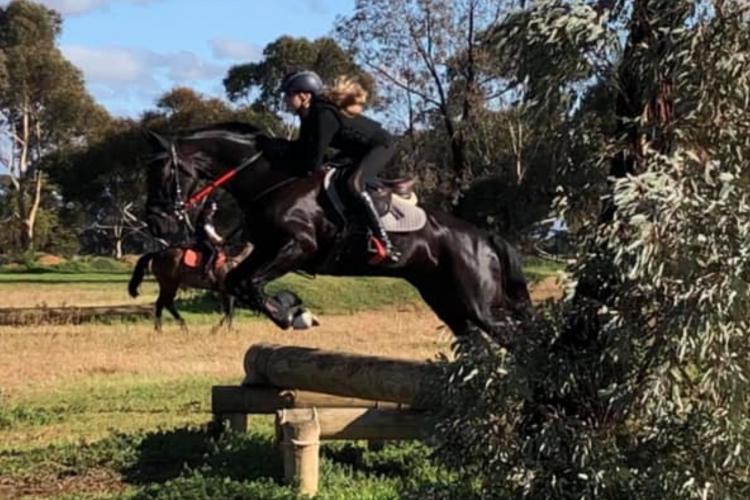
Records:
x=211, y=187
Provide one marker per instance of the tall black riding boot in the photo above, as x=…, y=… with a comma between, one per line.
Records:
x=376, y=226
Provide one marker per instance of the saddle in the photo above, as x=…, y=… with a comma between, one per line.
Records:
x=395, y=201
x=193, y=258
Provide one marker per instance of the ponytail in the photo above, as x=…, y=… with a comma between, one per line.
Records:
x=348, y=95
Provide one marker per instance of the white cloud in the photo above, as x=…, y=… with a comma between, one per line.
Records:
x=111, y=65
x=236, y=50
x=119, y=75
x=78, y=7
x=317, y=6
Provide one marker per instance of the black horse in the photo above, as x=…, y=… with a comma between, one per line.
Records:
x=469, y=278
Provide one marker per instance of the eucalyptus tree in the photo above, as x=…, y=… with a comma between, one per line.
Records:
x=257, y=83
x=636, y=385
x=43, y=104
x=433, y=64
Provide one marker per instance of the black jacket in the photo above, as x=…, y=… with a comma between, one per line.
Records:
x=326, y=126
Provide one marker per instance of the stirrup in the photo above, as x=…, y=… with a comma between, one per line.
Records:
x=381, y=251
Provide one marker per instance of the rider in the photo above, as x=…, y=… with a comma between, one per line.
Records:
x=207, y=239
x=334, y=119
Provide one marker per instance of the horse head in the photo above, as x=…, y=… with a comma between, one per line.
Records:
x=168, y=181
x=176, y=168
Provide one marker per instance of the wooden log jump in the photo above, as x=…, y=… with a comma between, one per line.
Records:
x=231, y=404
x=342, y=374
x=320, y=395
x=69, y=315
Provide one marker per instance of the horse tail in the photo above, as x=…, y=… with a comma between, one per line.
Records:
x=138, y=273
x=512, y=279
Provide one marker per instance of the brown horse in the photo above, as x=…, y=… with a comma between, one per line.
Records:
x=171, y=272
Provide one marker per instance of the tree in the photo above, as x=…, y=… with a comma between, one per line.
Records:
x=636, y=386
x=183, y=108
x=258, y=83
x=43, y=103
x=431, y=60
x=99, y=179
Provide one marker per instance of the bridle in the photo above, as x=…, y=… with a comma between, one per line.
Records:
x=181, y=205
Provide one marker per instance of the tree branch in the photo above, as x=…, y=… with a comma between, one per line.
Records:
x=385, y=74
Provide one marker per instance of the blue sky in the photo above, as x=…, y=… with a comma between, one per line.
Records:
x=132, y=51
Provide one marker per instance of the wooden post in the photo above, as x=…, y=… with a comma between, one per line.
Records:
x=301, y=448
x=341, y=374
x=235, y=422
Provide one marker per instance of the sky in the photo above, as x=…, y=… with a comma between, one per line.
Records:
x=132, y=51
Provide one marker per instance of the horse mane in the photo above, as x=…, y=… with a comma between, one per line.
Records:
x=233, y=127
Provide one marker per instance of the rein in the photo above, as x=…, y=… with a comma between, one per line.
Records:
x=219, y=181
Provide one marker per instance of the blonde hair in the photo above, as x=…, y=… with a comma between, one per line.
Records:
x=348, y=95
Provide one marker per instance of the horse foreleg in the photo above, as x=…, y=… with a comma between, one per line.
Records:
x=255, y=273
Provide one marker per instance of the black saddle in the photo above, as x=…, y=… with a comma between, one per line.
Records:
x=380, y=190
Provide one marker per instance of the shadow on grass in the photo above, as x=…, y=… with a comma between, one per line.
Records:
x=201, y=303
x=391, y=461
x=166, y=455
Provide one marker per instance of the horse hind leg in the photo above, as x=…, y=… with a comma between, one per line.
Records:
x=227, y=308
x=176, y=315
x=166, y=300
x=158, y=308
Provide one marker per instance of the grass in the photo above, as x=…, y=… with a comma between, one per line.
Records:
x=536, y=269
x=136, y=437
x=114, y=410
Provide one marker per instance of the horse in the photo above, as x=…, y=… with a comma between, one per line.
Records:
x=171, y=272
x=469, y=278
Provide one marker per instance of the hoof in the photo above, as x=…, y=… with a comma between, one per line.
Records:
x=303, y=319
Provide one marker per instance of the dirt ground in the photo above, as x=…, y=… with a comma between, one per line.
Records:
x=42, y=356
x=35, y=357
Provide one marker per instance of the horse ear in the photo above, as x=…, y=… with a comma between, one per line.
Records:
x=157, y=142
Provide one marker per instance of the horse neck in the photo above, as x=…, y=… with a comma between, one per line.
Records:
x=225, y=155
x=255, y=180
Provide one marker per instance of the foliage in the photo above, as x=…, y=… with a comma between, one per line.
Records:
x=43, y=104
x=431, y=61
x=636, y=386
x=259, y=82
x=189, y=461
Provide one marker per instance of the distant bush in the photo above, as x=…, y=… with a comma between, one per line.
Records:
x=29, y=263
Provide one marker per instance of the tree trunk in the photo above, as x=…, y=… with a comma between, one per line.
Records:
x=118, y=232
x=30, y=220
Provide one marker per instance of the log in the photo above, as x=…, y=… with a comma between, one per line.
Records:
x=301, y=448
x=75, y=315
x=250, y=399
x=342, y=374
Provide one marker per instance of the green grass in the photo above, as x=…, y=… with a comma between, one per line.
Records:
x=52, y=278
x=145, y=437
x=76, y=265
x=178, y=454
x=537, y=269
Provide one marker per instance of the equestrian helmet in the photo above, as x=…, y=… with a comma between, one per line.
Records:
x=302, y=81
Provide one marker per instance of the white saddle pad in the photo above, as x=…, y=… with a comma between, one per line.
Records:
x=404, y=216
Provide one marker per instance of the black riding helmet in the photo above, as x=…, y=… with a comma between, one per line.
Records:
x=302, y=81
